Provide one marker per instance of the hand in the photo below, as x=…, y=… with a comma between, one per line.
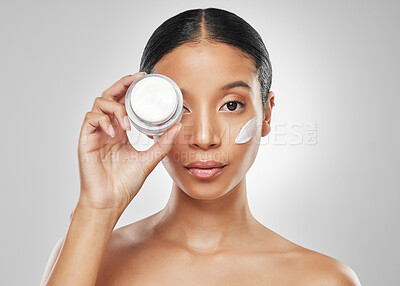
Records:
x=111, y=170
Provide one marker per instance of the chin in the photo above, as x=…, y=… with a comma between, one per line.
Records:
x=207, y=193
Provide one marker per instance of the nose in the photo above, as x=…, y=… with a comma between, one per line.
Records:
x=205, y=132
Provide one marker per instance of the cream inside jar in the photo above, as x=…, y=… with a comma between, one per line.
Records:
x=154, y=103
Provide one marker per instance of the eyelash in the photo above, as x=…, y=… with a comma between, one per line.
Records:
x=241, y=103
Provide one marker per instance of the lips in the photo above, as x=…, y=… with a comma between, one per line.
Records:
x=205, y=169
x=205, y=164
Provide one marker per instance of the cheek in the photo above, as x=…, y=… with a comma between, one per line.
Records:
x=245, y=147
x=177, y=157
x=243, y=156
x=247, y=132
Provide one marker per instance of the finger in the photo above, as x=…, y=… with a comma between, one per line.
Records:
x=119, y=88
x=160, y=149
x=107, y=106
x=93, y=121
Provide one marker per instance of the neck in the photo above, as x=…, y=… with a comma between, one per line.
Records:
x=207, y=225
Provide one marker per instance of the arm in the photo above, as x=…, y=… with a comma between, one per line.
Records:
x=85, y=244
x=52, y=260
x=55, y=253
x=107, y=185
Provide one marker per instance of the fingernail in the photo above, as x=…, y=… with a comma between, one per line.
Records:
x=112, y=132
x=127, y=123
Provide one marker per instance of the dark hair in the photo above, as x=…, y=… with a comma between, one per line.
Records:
x=209, y=25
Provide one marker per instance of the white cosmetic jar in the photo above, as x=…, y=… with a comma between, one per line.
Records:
x=154, y=103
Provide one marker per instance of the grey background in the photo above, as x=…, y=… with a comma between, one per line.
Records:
x=326, y=177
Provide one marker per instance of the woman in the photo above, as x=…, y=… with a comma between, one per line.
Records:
x=206, y=234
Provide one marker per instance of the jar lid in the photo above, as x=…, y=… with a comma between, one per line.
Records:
x=143, y=123
x=153, y=99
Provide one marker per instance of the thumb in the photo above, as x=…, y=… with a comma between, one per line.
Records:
x=160, y=148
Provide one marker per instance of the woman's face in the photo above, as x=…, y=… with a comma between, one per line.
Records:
x=211, y=119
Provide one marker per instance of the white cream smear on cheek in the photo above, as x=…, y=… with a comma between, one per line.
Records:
x=247, y=132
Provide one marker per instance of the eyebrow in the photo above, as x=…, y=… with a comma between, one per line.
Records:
x=238, y=83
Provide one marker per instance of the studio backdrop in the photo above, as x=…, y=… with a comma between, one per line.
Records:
x=326, y=177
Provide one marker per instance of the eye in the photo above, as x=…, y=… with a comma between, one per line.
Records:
x=233, y=104
x=184, y=109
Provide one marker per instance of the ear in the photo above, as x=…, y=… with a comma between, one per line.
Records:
x=266, y=124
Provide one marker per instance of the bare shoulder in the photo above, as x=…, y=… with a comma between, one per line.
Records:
x=321, y=269
x=128, y=239
x=297, y=265
x=130, y=236
x=125, y=244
